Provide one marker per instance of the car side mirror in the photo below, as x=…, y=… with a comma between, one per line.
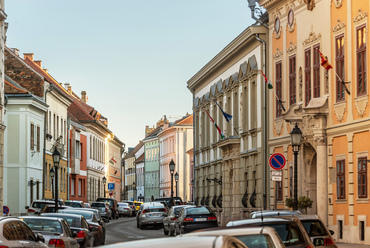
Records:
x=318, y=242
x=331, y=232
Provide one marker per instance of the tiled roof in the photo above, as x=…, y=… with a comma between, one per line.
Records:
x=132, y=153
x=185, y=120
x=11, y=87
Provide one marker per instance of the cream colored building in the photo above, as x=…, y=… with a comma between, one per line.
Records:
x=231, y=174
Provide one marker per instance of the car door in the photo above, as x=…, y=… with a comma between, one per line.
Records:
x=11, y=235
x=69, y=241
x=90, y=237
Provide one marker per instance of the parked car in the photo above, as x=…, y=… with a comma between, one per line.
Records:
x=166, y=200
x=195, y=218
x=112, y=204
x=87, y=205
x=78, y=224
x=271, y=213
x=252, y=237
x=132, y=205
x=124, y=209
x=170, y=219
x=151, y=214
x=74, y=204
x=92, y=220
x=37, y=205
x=15, y=233
x=289, y=228
x=222, y=241
x=103, y=209
x=55, y=231
x=51, y=208
x=317, y=231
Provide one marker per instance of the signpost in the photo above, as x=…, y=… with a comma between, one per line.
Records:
x=277, y=175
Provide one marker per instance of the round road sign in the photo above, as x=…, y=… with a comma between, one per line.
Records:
x=277, y=161
x=5, y=210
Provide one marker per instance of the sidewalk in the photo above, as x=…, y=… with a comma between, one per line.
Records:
x=347, y=245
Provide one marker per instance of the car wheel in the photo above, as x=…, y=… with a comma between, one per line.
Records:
x=164, y=230
x=142, y=226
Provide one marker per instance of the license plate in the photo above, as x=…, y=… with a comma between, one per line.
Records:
x=200, y=219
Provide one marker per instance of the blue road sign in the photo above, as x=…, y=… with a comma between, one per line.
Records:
x=5, y=210
x=277, y=161
x=110, y=185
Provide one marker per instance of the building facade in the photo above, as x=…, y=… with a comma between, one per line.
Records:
x=115, y=151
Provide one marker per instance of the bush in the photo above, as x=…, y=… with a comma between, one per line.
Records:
x=304, y=202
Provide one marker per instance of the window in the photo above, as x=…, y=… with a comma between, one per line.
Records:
x=316, y=71
x=73, y=186
x=278, y=89
x=279, y=191
x=32, y=137
x=362, y=177
x=361, y=60
x=307, y=73
x=339, y=62
x=79, y=187
x=38, y=138
x=341, y=180
x=292, y=80
x=78, y=150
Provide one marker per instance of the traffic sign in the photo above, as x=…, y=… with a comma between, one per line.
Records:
x=110, y=185
x=5, y=209
x=277, y=175
x=277, y=161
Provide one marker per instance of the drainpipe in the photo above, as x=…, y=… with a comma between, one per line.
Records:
x=68, y=154
x=264, y=125
x=44, y=150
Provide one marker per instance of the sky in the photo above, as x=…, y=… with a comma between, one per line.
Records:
x=132, y=57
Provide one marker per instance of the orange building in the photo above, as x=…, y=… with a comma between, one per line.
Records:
x=333, y=157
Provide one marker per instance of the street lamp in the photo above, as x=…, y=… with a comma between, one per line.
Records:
x=176, y=179
x=52, y=174
x=172, y=169
x=133, y=189
x=104, y=182
x=296, y=136
x=56, y=159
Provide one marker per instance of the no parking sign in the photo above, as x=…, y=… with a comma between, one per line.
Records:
x=5, y=210
x=277, y=161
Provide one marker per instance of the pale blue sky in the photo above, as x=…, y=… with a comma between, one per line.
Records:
x=132, y=57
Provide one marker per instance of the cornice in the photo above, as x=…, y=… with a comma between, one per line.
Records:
x=339, y=27
x=312, y=38
x=360, y=17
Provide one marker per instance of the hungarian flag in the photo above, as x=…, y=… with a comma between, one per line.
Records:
x=324, y=62
x=219, y=130
x=269, y=84
x=226, y=115
x=112, y=161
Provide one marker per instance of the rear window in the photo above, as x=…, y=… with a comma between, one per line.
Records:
x=98, y=204
x=86, y=214
x=314, y=228
x=137, y=204
x=257, y=241
x=195, y=211
x=289, y=233
x=73, y=204
x=151, y=210
x=40, y=204
x=44, y=225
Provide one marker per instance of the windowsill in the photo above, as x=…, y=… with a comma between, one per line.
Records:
x=362, y=200
x=340, y=103
x=341, y=201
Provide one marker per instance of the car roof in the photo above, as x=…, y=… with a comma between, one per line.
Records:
x=231, y=231
x=63, y=214
x=40, y=217
x=152, y=204
x=308, y=217
x=263, y=220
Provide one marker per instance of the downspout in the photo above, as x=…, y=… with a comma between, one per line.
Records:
x=264, y=124
x=44, y=150
x=68, y=155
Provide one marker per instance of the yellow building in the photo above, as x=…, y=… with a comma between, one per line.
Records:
x=333, y=157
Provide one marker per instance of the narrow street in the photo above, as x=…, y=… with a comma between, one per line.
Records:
x=124, y=229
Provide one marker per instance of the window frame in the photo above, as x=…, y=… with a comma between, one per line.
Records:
x=292, y=79
x=278, y=84
x=307, y=78
x=362, y=171
x=340, y=67
x=341, y=174
x=32, y=137
x=316, y=71
x=361, y=49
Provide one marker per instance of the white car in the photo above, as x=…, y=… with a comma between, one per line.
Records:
x=250, y=236
x=55, y=231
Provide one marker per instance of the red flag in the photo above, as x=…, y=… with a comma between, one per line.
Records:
x=324, y=62
x=214, y=123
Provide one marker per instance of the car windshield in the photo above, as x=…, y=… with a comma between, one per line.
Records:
x=39, y=204
x=256, y=240
x=195, y=211
x=314, y=228
x=288, y=232
x=44, y=225
x=98, y=204
x=87, y=214
x=73, y=204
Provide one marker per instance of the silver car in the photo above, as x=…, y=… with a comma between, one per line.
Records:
x=151, y=214
x=317, y=231
x=169, y=221
x=15, y=233
x=103, y=209
x=124, y=209
x=55, y=231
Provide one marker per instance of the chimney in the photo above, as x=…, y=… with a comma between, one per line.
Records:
x=68, y=87
x=83, y=97
x=38, y=62
x=46, y=70
x=28, y=55
x=15, y=50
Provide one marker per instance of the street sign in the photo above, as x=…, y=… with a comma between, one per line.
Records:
x=277, y=175
x=277, y=161
x=5, y=209
x=110, y=185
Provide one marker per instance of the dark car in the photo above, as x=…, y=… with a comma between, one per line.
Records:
x=132, y=205
x=74, y=204
x=195, y=218
x=166, y=200
x=289, y=228
x=317, y=231
x=50, y=208
x=170, y=220
x=78, y=224
x=92, y=220
x=112, y=204
x=103, y=209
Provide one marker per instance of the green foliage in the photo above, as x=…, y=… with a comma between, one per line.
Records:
x=304, y=202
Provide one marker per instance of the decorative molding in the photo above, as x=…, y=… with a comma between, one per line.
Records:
x=320, y=140
x=312, y=37
x=338, y=3
x=339, y=27
x=279, y=126
x=339, y=110
x=361, y=103
x=278, y=55
x=310, y=4
x=291, y=49
x=361, y=17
